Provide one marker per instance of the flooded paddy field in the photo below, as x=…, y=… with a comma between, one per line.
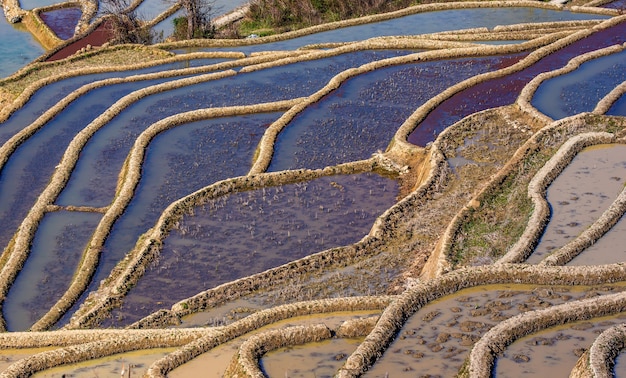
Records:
x=422, y=23
x=579, y=196
x=46, y=274
x=608, y=249
x=62, y=21
x=436, y=340
x=131, y=364
x=215, y=362
x=322, y=359
x=43, y=151
x=18, y=48
x=248, y=232
x=362, y=115
x=554, y=351
x=505, y=90
x=619, y=107
x=177, y=219
x=579, y=91
x=49, y=95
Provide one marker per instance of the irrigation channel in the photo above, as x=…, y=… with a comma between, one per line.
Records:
x=436, y=190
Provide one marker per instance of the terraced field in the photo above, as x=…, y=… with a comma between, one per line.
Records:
x=434, y=191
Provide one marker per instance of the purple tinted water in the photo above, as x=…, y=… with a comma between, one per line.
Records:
x=62, y=21
x=619, y=4
x=365, y=112
x=249, y=232
x=505, y=90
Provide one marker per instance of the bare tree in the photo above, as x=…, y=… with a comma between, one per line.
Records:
x=124, y=23
x=198, y=14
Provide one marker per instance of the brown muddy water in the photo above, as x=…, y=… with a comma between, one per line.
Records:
x=9, y=356
x=110, y=366
x=214, y=362
x=321, y=359
x=579, y=196
x=437, y=339
x=553, y=352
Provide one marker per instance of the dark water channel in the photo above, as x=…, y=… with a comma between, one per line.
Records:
x=580, y=90
x=365, y=112
x=505, y=90
x=249, y=232
x=579, y=196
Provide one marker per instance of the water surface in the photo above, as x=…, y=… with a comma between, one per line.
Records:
x=249, y=232
x=17, y=47
x=580, y=90
x=580, y=194
x=56, y=250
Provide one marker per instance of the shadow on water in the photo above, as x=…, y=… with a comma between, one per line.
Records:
x=364, y=113
x=580, y=90
x=57, y=248
x=579, y=196
x=249, y=232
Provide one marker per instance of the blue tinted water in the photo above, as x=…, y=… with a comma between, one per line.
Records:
x=49, y=95
x=94, y=179
x=427, y=22
x=363, y=115
x=580, y=90
x=28, y=169
x=55, y=253
x=17, y=48
x=619, y=107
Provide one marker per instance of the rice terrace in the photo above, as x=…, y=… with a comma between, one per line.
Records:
x=415, y=189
